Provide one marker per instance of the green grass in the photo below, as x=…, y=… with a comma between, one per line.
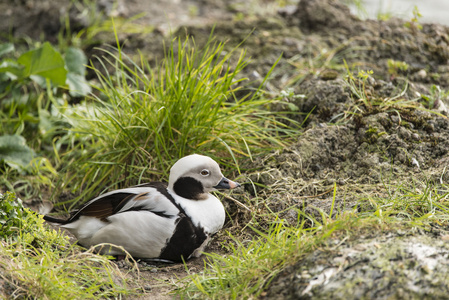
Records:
x=250, y=266
x=40, y=263
x=43, y=273
x=367, y=102
x=418, y=202
x=143, y=118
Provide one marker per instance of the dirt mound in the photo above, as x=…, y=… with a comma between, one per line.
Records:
x=377, y=134
x=369, y=44
x=406, y=138
x=317, y=15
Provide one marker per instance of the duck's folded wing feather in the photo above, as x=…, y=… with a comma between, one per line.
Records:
x=150, y=197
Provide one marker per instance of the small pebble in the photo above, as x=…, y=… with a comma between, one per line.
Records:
x=395, y=119
x=422, y=73
x=425, y=269
x=339, y=260
x=359, y=247
x=415, y=162
x=305, y=275
x=415, y=136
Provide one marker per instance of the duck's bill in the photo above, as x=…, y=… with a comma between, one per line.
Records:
x=226, y=184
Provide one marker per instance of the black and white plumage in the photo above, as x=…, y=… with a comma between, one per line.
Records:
x=154, y=220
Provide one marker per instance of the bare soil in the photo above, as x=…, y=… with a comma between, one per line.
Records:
x=359, y=152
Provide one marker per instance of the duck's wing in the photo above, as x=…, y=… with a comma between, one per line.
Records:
x=150, y=197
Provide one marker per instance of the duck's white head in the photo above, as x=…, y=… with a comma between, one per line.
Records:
x=194, y=176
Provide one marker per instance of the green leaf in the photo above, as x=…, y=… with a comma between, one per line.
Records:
x=46, y=62
x=75, y=61
x=6, y=48
x=14, y=151
x=45, y=123
x=78, y=85
x=12, y=69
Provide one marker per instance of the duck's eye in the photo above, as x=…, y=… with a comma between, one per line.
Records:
x=205, y=172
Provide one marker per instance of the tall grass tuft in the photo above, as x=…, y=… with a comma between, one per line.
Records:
x=143, y=118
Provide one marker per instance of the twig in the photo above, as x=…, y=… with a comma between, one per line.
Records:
x=329, y=190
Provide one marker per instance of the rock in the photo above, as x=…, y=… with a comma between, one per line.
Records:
x=399, y=267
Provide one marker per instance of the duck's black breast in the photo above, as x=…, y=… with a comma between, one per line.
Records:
x=185, y=240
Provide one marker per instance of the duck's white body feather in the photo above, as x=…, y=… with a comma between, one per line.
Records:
x=208, y=214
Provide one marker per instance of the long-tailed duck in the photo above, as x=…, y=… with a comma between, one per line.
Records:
x=152, y=220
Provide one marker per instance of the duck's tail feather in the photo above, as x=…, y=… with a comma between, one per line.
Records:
x=54, y=220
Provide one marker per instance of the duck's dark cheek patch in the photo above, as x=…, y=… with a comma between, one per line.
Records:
x=189, y=188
